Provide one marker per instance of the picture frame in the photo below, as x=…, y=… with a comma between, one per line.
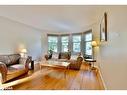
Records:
x=103, y=28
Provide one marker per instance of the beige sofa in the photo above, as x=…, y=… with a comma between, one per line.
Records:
x=75, y=64
x=12, y=66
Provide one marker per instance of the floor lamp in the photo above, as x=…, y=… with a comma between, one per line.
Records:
x=94, y=44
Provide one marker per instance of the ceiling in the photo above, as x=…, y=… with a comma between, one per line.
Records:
x=52, y=18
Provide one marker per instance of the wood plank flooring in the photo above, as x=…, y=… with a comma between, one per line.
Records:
x=53, y=79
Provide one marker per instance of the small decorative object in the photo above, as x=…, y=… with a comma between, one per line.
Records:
x=103, y=28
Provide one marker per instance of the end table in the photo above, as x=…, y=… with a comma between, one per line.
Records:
x=91, y=61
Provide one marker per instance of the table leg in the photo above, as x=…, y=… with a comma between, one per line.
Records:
x=93, y=68
x=65, y=73
x=40, y=67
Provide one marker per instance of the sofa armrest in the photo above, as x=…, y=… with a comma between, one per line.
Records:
x=28, y=61
x=76, y=64
x=79, y=59
x=3, y=72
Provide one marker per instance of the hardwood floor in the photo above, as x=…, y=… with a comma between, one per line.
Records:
x=53, y=79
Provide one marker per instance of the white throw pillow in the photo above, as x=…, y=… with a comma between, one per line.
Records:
x=74, y=57
x=55, y=56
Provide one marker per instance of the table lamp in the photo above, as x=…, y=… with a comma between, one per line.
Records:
x=94, y=43
x=24, y=51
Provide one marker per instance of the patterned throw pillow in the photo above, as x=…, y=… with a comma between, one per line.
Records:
x=14, y=58
x=64, y=55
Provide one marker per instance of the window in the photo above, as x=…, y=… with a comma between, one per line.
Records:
x=76, y=43
x=88, y=46
x=53, y=43
x=64, y=42
x=81, y=42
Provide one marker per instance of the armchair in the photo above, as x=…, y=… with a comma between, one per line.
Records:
x=12, y=66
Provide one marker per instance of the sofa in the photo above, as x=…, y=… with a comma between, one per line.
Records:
x=75, y=64
x=12, y=66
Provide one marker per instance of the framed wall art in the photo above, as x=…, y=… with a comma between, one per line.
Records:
x=103, y=28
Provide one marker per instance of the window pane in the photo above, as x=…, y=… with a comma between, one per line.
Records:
x=52, y=39
x=65, y=39
x=88, y=37
x=76, y=47
x=52, y=46
x=88, y=48
x=64, y=47
x=52, y=43
x=76, y=38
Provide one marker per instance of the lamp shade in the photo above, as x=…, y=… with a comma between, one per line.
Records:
x=24, y=51
x=94, y=43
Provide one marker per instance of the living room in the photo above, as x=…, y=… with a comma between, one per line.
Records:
x=33, y=31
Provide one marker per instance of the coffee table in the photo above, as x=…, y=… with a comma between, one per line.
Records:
x=56, y=64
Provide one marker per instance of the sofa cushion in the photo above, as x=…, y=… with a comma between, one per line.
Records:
x=64, y=55
x=15, y=68
x=10, y=59
x=5, y=59
x=15, y=71
x=74, y=57
x=14, y=59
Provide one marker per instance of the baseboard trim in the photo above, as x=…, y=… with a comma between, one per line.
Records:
x=102, y=80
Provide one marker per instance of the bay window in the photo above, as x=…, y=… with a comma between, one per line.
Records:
x=75, y=43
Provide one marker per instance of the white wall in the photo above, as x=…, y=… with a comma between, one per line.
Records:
x=14, y=36
x=112, y=55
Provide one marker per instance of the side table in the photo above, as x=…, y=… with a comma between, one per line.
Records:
x=91, y=61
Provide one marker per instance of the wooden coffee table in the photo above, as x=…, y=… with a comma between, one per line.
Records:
x=56, y=64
